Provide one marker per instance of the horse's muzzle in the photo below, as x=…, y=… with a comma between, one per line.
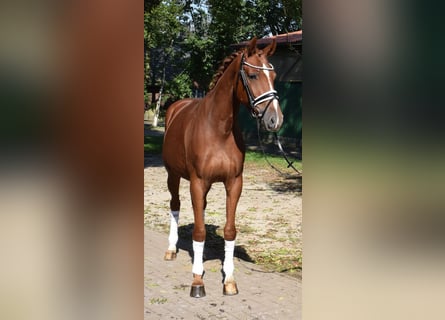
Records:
x=273, y=119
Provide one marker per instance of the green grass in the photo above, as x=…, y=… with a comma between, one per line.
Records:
x=153, y=144
x=280, y=260
x=278, y=161
x=158, y=300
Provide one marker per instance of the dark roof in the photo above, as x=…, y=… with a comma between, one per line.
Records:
x=285, y=38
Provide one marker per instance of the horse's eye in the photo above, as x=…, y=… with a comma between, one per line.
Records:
x=253, y=76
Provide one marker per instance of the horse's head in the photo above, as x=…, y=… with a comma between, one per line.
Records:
x=256, y=88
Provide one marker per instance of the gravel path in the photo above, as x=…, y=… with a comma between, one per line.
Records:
x=268, y=220
x=167, y=288
x=267, y=254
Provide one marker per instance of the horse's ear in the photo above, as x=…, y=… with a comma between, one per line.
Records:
x=251, y=47
x=270, y=49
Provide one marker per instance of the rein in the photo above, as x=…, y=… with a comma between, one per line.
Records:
x=280, y=147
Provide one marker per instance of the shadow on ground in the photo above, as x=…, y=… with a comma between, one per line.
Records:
x=214, y=244
x=152, y=160
x=290, y=184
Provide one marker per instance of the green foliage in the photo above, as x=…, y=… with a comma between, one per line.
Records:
x=201, y=61
x=193, y=36
x=179, y=87
x=161, y=31
x=162, y=25
x=150, y=4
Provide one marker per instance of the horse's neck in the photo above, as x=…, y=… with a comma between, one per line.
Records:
x=222, y=104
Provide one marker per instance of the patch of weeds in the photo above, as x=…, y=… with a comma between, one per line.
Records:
x=162, y=226
x=283, y=239
x=291, y=240
x=300, y=259
x=212, y=213
x=252, y=209
x=158, y=300
x=152, y=285
x=246, y=229
x=271, y=234
x=214, y=269
x=280, y=260
x=252, y=241
x=281, y=220
x=181, y=287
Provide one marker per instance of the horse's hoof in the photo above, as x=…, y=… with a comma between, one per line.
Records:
x=230, y=289
x=170, y=255
x=197, y=292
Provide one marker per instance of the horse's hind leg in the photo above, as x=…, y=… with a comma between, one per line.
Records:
x=175, y=204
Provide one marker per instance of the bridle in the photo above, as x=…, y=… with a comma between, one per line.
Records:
x=254, y=102
x=266, y=96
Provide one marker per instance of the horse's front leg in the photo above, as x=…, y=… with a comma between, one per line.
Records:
x=198, y=190
x=233, y=192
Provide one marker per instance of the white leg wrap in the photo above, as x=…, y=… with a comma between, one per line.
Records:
x=198, y=250
x=173, y=236
x=228, y=267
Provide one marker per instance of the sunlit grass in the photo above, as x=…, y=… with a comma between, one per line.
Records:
x=153, y=144
x=278, y=161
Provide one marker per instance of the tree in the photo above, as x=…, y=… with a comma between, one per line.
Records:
x=162, y=29
x=186, y=40
x=233, y=21
x=150, y=4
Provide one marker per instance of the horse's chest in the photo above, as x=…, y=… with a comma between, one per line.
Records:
x=220, y=165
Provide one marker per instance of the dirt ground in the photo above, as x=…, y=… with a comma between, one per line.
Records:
x=268, y=220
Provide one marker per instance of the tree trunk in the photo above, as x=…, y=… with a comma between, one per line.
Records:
x=158, y=103
x=158, y=107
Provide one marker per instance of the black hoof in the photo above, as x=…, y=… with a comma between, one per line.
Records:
x=197, y=292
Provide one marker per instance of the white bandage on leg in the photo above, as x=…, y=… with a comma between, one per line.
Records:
x=198, y=251
x=228, y=267
x=173, y=235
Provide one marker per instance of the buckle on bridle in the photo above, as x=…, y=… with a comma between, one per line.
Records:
x=259, y=115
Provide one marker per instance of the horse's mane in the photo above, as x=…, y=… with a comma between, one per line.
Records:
x=223, y=67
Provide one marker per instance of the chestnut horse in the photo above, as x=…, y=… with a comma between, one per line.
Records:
x=203, y=144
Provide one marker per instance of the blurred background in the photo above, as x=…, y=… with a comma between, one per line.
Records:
x=71, y=91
